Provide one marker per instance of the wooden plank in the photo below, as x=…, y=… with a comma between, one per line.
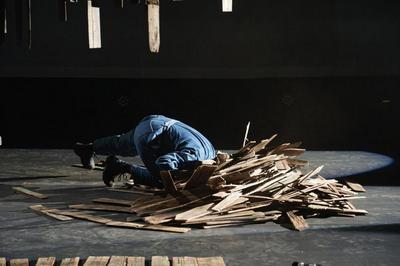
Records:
x=184, y=261
x=121, y=202
x=101, y=207
x=227, y=201
x=29, y=193
x=47, y=211
x=200, y=176
x=153, y=13
x=210, y=261
x=125, y=224
x=160, y=261
x=70, y=261
x=117, y=261
x=297, y=221
x=19, y=262
x=49, y=261
x=226, y=5
x=83, y=216
x=135, y=261
x=164, y=228
x=96, y=261
x=355, y=186
x=168, y=182
x=2, y=261
x=94, y=30
x=194, y=213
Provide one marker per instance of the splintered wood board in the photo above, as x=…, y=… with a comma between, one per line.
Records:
x=153, y=9
x=94, y=29
x=29, y=193
x=227, y=5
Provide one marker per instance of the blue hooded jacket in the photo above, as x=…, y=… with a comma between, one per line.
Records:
x=161, y=142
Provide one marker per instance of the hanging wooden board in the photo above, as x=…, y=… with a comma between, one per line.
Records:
x=153, y=9
x=226, y=5
x=94, y=29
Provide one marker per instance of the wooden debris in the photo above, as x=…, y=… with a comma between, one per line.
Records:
x=355, y=187
x=70, y=261
x=153, y=9
x=101, y=207
x=257, y=184
x=29, y=193
x=297, y=221
x=47, y=211
x=3, y=261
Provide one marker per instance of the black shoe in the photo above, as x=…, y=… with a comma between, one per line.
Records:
x=114, y=167
x=86, y=153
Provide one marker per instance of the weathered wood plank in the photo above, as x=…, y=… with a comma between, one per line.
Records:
x=3, y=261
x=355, y=187
x=94, y=30
x=96, y=261
x=194, y=213
x=159, y=261
x=210, y=261
x=200, y=176
x=117, y=261
x=83, y=216
x=29, y=193
x=70, y=261
x=122, y=202
x=19, y=262
x=184, y=261
x=47, y=211
x=101, y=207
x=153, y=10
x=135, y=261
x=49, y=261
x=227, y=201
x=297, y=221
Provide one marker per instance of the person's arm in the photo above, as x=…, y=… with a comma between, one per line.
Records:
x=175, y=160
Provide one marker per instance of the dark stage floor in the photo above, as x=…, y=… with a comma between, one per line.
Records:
x=367, y=240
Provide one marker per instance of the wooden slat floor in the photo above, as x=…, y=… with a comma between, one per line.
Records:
x=117, y=261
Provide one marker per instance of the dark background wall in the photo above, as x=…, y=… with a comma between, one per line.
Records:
x=261, y=38
x=325, y=72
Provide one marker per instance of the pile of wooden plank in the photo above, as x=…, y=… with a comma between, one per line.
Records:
x=257, y=184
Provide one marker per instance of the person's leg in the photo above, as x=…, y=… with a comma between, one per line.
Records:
x=122, y=145
x=142, y=176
